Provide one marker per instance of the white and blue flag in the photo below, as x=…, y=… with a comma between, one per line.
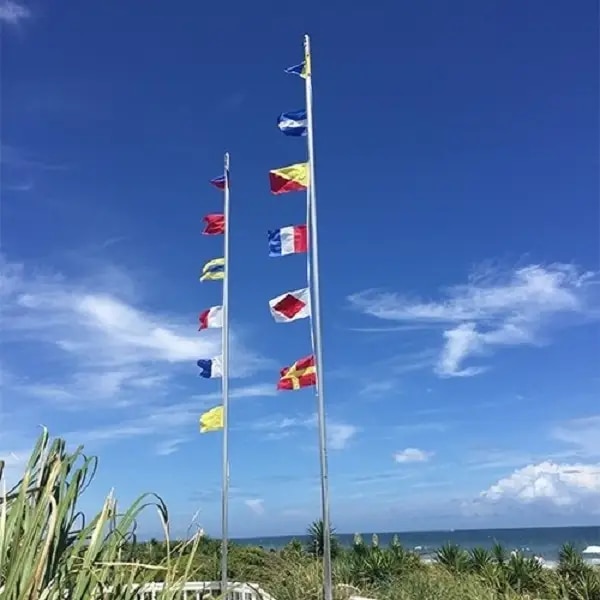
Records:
x=293, y=123
x=210, y=367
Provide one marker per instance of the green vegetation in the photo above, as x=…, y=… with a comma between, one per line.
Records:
x=50, y=551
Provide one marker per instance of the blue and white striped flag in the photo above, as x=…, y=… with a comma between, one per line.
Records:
x=293, y=123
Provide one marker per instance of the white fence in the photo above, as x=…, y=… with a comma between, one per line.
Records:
x=206, y=590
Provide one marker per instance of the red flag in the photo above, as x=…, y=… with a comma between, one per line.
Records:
x=215, y=224
x=301, y=374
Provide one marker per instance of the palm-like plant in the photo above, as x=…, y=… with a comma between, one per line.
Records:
x=522, y=573
x=570, y=562
x=499, y=553
x=403, y=560
x=579, y=580
x=374, y=567
x=358, y=545
x=479, y=559
x=316, y=539
x=453, y=558
x=587, y=586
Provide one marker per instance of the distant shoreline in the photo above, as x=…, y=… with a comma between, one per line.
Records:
x=543, y=542
x=416, y=531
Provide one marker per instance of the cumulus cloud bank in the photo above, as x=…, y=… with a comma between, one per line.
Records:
x=549, y=483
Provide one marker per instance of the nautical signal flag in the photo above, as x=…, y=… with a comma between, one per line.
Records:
x=293, y=178
x=291, y=306
x=215, y=224
x=293, y=123
x=302, y=373
x=211, y=318
x=211, y=368
x=213, y=270
x=219, y=182
x=288, y=240
x=302, y=70
x=211, y=420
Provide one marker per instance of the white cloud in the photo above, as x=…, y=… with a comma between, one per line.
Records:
x=257, y=390
x=412, y=455
x=159, y=421
x=409, y=455
x=15, y=462
x=549, y=483
x=256, y=505
x=91, y=344
x=480, y=460
x=338, y=434
x=167, y=447
x=12, y=12
x=109, y=349
x=378, y=388
x=493, y=309
x=583, y=434
x=171, y=421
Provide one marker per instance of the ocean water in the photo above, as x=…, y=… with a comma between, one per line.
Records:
x=539, y=541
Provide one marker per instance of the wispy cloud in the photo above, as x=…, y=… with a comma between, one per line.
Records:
x=95, y=350
x=256, y=505
x=494, y=309
x=412, y=455
x=257, y=390
x=169, y=423
x=14, y=464
x=582, y=434
x=11, y=156
x=439, y=426
x=23, y=186
x=481, y=460
x=111, y=349
x=12, y=13
x=375, y=479
x=161, y=420
x=167, y=447
x=378, y=388
x=339, y=434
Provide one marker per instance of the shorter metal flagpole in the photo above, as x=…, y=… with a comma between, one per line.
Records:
x=225, y=387
x=316, y=312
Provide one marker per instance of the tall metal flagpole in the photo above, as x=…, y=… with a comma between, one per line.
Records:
x=316, y=311
x=225, y=386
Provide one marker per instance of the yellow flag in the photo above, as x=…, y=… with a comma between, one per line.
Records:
x=213, y=270
x=212, y=420
x=306, y=72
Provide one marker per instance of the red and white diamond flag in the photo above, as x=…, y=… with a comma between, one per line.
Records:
x=291, y=306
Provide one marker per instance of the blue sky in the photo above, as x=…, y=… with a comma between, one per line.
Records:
x=457, y=173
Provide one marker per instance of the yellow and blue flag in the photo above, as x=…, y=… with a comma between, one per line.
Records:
x=213, y=270
x=303, y=69
x=299, y=70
